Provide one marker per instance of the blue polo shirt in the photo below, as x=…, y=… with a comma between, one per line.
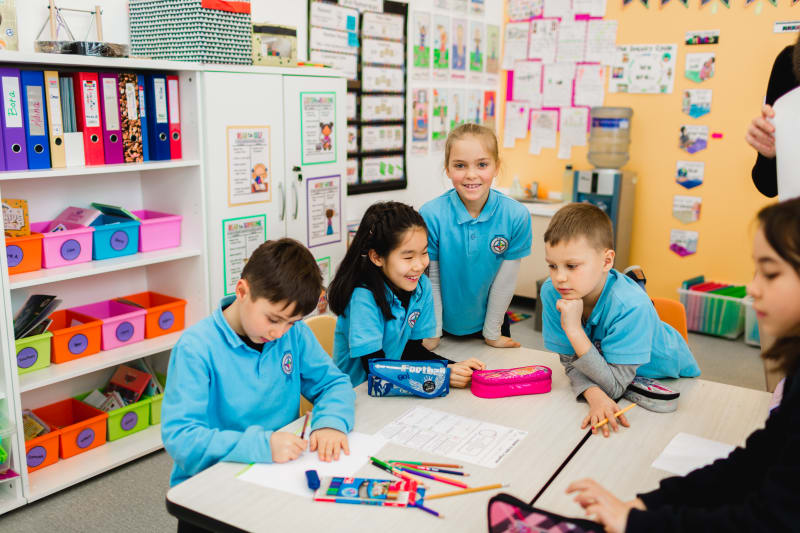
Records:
x=363, y=330
x=625, y=329
x=470, y=252
x=224, y=399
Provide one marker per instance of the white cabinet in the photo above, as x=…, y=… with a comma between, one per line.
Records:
x=306, y=183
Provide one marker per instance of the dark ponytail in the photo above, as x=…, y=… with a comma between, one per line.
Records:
x=781, y=226
x=381, y=229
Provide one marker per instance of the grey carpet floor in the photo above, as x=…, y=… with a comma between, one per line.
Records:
x=131, y=497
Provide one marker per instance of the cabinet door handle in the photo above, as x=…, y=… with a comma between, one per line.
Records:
x=282, y=196
x=296, y=200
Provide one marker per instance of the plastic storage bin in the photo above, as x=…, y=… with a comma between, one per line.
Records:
x=82, y=427
x=155, y=404
x=73, y=341
x=42, y=451
x=122, y=324
x=158, y=230
x=6, y=433
x=68, y=247
x=126, y=420
x=33, y=352
x=24, y=254
x=751, y=333
x=719, y=312
x=114, y=237
x=165, y=314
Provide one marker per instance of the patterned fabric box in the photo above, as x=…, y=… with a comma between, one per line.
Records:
x=204, y=31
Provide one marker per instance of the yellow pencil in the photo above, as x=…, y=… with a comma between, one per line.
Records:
x=616, y=415
x=465, y=491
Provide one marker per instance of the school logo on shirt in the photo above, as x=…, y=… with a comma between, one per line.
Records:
x=499, y=245
x=287, y=364
x=412, y=319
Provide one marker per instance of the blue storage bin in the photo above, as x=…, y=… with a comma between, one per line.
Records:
x=114, y=237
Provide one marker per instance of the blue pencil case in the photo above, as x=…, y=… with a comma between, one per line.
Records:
x=393, y=377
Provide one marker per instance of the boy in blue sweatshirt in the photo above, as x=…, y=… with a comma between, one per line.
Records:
x=236, y=377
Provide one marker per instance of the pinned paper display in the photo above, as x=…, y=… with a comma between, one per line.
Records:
x=689, y=174
x=696, y=102
x=693, y=138
x=419, y=132
x=683, y=242
x=686, y=208
x=458, y=57
x=644, y=69
x=700, y=67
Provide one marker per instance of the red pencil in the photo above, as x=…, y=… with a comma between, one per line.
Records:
x=305, y=424
x=434, y=477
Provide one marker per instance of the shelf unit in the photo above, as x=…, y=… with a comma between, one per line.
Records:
x=176, y=187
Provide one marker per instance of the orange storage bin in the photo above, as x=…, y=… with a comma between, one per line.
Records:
x=165, y=314
x=24, y=254
x=42, y=451
x=74, y=335
x=82, y=427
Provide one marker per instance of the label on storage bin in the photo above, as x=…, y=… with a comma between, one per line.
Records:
x=78, y=343
x=611, y=123
x=70, y=250
x=166, y=320
x=27, y=357
x=124, y=331
x=14, y=254
x=119, y=240
x=36, y=456
x=129, y=420
x=85, y=438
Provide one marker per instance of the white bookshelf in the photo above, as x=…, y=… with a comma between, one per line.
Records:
x=176, y=187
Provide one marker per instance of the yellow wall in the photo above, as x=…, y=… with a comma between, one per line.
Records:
x=744, y=59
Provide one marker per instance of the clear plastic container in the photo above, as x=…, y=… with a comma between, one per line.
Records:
x=713, y=314
x=610, y=136
x=751, y=333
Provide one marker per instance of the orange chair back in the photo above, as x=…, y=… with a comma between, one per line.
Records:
x=323, y=327
x=673, y=313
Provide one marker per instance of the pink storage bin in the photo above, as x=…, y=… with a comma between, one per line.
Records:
x=158, y=230
x=63, y=248
x=122, y=324
x=533, y=379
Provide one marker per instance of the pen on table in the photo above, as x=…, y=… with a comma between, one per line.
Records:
x=434, y=477
x=604, y=421
x=305, y=425
x=465, y=491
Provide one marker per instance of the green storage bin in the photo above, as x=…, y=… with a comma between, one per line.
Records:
x=126, y=420
x=155, y=402
x=33, y=352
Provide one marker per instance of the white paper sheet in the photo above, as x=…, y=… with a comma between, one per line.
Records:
x=589, y=85
x=572, y=125
x=457, y=437
x=557, y=85
x=516, y=43
x=787, y=131
x=686, y=452
x=528, y=82
x=557, y=8
x=601, y=41
x=516, y=123
x=543, y=130
x=643, y=69
x=290, y=477
x=571, y=41
x=595, y=8
x=543, y=39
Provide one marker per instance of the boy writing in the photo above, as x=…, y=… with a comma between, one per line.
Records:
x=600, y=321
x=236, y=376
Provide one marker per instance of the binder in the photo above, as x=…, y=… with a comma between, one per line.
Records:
x=157, y=116
x=143, y=118
x=87, y=111
x=131, y=124
x=35, y=112
x=55, y=122
x=112, y=134
x=174, y=101
x=14, y=146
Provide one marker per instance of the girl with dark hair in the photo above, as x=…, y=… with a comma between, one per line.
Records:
x=755, y=488
x=383, y=298
x=761, y=133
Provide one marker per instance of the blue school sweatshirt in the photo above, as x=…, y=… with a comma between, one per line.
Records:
x=224, y=399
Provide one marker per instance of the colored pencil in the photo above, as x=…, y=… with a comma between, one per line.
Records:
x=465, y=491
x=434, y=477
x=433, y=469
x=616, y=415
x=387, y=468
x=305, y=425
x=427, y=510
x=423, y=463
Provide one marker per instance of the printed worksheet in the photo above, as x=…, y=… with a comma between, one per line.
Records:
x=457, y=437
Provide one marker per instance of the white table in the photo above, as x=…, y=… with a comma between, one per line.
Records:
x=552, y=421
x=622, y=462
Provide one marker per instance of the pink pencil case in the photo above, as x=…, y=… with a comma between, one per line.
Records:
x=533, y=379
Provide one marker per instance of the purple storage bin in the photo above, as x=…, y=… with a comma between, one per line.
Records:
x=122, y=324
x=61, y=248
x=158, y=230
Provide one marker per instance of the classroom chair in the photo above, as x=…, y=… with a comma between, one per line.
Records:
x=673, y=313
x=323, y=327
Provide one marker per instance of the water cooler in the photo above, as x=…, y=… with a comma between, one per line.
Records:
x=612, y=191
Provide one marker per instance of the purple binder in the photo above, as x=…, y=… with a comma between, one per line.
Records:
x=13, y=122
